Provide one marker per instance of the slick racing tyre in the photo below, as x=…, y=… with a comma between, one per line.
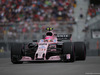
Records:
x=68, y=48
x=80, y=50
x=16, y=53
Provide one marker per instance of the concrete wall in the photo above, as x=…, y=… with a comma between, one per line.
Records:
x=92, y=43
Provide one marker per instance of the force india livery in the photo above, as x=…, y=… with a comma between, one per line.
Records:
x=50, y=48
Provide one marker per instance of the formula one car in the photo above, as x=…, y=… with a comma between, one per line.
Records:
x=50, y=48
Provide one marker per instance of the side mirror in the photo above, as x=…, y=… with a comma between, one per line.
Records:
x=34, y=40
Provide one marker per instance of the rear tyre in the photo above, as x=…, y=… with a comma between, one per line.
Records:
x=68, y=48
x=80, y=50
x=16, y=53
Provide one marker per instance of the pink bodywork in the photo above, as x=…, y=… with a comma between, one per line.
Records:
x=51, y=37
x=48, y=37
x=42, y=49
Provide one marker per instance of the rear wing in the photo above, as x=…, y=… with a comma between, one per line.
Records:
x=63, y=36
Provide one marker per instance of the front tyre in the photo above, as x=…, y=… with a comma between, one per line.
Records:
x=16, y=53
x=68, y=48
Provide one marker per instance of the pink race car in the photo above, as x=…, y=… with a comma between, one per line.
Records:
x=51, y=48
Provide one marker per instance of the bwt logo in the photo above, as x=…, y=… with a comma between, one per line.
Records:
x=42, y=47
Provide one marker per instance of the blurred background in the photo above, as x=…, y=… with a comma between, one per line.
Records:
x=22, y=21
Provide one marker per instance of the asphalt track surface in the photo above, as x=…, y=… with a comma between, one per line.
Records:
x=91, y=66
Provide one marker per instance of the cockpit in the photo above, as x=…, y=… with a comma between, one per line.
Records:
x=48, y=40
x=49, y=34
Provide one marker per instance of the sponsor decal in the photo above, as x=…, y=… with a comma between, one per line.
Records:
x=42, y=48
x=68, y=56
x=54, y=40
x=43, y=44
x=42, y=40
